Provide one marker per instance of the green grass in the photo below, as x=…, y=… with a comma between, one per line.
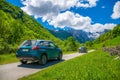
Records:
x=8, y=58
x=112, y=42
x=97, y=65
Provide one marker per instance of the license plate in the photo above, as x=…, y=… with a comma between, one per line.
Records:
x=25, y=50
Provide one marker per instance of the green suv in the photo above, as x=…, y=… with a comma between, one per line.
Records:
x=38, y=51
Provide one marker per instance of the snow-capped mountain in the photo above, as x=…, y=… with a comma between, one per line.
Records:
x=79, y=35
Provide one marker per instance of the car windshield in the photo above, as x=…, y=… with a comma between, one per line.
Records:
x=82, y=47
x=29, y=43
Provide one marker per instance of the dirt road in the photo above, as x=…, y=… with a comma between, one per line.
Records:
x=17, y=70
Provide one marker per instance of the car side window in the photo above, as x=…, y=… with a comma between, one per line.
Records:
x=47, y=44
x=51, y=44
x=43, y=43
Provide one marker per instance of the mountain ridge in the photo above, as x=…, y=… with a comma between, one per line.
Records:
x=79, y=35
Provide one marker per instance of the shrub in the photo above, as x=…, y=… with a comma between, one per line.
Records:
x=113, y=50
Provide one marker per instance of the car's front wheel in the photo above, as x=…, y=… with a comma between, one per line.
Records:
x=43, y=60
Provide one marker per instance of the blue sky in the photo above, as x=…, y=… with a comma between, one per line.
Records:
x=88, y=15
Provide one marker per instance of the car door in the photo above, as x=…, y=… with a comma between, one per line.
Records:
x=54, y=51
x=49, y=48
x=44, y=48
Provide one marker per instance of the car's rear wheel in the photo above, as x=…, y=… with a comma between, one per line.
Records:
x=43, y=60
x=23, y=62
x=60, y=56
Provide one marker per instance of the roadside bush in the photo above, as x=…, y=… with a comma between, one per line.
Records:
x=113, y=50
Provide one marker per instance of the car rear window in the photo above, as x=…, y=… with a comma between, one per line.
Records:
x=29, y=43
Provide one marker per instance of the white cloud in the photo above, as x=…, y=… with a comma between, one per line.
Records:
x=70, y=19
x=116, y=11
x=100, y=27
x=86, y=3
x=77, y=21
x=46, y=9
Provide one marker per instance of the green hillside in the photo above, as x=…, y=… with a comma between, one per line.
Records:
x=16, y=26
x=110, y=38
x=109, y=35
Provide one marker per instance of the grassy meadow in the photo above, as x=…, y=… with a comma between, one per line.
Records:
x=7, y=58
x=97, y=65
x=108, y=43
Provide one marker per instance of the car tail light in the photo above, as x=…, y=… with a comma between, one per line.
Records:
x=35, y=48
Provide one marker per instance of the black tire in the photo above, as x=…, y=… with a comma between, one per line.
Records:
x=23, y=62
x=43, y=60
x=60, y=57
